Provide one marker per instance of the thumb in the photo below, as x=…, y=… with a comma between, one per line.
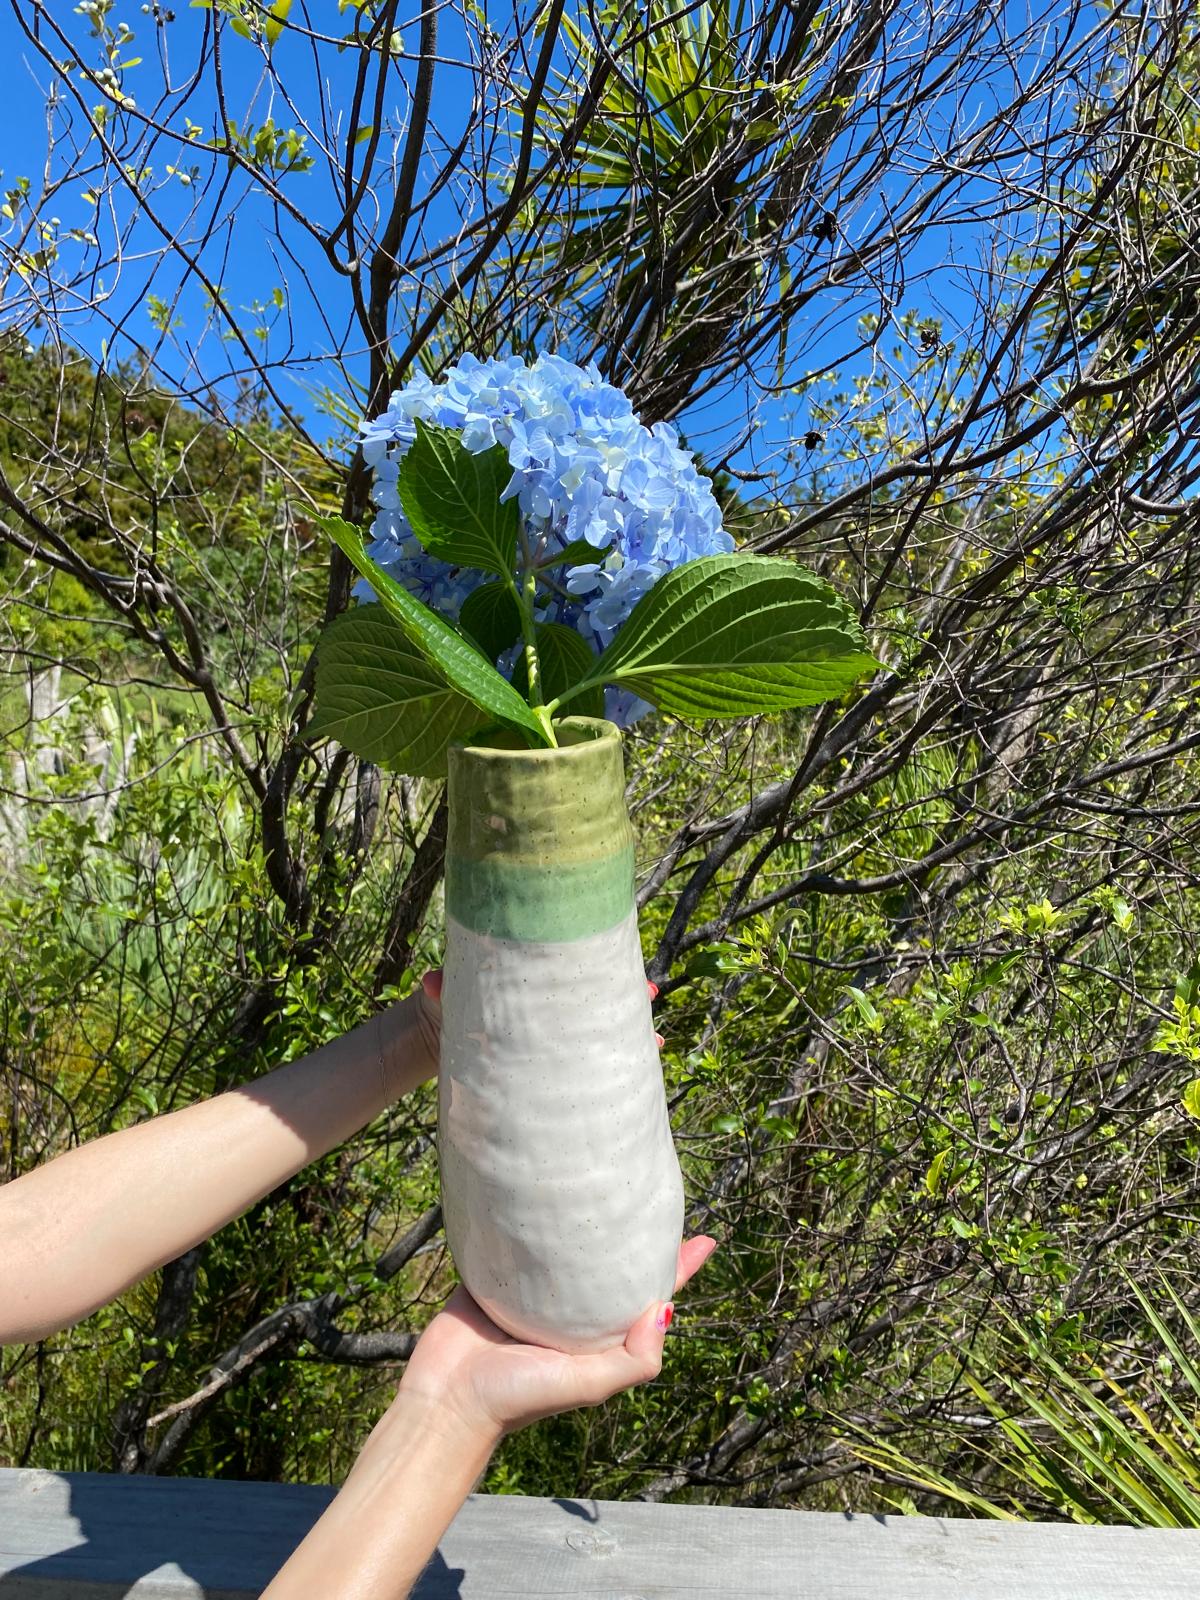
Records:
x=644, y=1341
x=432, y=984
x=638, y=1360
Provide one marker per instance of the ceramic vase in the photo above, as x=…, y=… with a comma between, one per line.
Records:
x=561, y=1191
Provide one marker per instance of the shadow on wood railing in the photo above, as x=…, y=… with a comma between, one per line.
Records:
x=67, y=1536
x=151, y=1537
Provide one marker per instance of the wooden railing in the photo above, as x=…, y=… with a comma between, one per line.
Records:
x=68, y=1536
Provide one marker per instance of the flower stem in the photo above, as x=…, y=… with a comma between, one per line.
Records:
x=533, y=666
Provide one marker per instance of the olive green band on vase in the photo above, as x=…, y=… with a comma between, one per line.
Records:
x=543, y=807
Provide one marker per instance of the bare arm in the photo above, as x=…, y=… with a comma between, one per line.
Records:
x=83, y=1228
x=414, y=1472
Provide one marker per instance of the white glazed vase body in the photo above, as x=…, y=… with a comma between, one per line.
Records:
x=562, y=1196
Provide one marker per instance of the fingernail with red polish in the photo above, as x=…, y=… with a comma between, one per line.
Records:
x=659, y=1040
x=663, y=1320
x=653, y=988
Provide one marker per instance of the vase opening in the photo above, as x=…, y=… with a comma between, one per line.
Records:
x=571, y=732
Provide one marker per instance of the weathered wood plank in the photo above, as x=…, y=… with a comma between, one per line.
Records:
x=91, y=1537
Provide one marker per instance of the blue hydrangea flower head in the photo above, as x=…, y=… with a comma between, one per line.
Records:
x=584, y=467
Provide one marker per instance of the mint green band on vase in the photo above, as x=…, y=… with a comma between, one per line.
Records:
x=539, y=846
x=548, y=905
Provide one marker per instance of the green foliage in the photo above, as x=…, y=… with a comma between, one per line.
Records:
x=576, y=552
x=687, y=104
x=1181, y=1035
x=378, y=696
x=444, y=649
x=127, y=462
x=728, y=636
x=278, y=151
x=492, y=617
x=251, y=21
x=451, y=498
x=1069, y=1439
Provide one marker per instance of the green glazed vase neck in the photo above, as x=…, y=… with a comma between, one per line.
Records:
x=539, y=845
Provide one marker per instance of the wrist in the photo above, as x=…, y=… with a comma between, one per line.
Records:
x=426, y=1437
x=445, y=1419
x=420, y=1440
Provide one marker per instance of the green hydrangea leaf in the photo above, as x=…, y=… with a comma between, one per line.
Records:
x=379, y=696
x=579, y=553
x=443, y=647
x=565, y=658
x=735, y=635
x=451, y=498
x=491, y=617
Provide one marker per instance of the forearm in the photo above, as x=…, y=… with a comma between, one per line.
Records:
x=415, y=1471
x=83, y=1228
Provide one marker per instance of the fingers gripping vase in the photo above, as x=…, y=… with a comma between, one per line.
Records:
x=561, y=1191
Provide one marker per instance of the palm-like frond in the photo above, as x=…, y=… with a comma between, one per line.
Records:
x=1078, y=1443
x=674, y=221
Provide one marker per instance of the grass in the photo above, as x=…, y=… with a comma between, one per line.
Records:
x=1070, y=1441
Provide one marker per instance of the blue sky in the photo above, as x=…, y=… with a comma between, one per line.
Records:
x=303, y=301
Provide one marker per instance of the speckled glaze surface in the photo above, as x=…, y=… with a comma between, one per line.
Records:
x=561, y=1190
